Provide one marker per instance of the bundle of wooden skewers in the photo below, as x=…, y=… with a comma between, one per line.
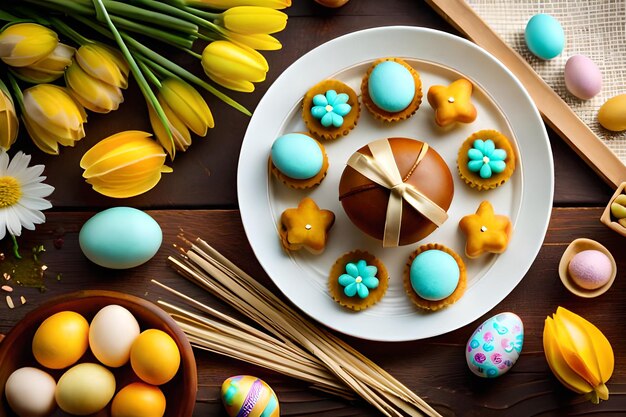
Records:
x=291, y=343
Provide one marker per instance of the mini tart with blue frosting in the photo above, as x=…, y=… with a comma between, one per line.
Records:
x=358, y=280
x=486, y=160
x=391, y=90
x=434, y=277
x=330, y=109
x=298, y=160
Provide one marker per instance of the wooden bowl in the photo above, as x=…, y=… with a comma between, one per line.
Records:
x=607, y=218
x=15, y=348
x=575, y=247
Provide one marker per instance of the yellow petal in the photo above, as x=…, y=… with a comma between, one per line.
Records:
x=9, y=123
x=23, y=44
x=92, y=93
x=113, y=142
x=161, y=134
x=258, y=41
x=47, y=145
x=104, y=63
x=235, y=85
x=129, y=191
x=53, y=108
x=249, y=20
x=187, y=103
x=226, y=60
x=124, y=162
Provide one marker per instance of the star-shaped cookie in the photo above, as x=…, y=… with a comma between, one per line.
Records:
x=306, y=227
x=485, y=231
x=452, y=103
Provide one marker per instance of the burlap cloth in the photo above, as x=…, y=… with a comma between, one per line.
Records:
x=594, y=28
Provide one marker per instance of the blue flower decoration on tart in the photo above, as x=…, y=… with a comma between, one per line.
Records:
x=330, y=108
x=434, y=275
x=360, y=278
x=297, y=156
x=485, y=159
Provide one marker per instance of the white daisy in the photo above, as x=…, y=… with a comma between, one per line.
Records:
x=22, y=194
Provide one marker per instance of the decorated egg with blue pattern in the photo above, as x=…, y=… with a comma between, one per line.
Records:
x=248, y=396
x=495, y=345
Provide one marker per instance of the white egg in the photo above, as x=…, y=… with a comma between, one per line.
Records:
x=111, y=334
x=30, y=392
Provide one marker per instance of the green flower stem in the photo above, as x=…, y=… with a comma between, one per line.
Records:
x=8, y=17
x=153, y=17
x=176, y=11
x=66, y=30
x=62, y=6
x=183, y=73
x=149, y=73
x=17, y=92
x=139, y=77
x=202, y=13
x=169, y=38
x=16, y=248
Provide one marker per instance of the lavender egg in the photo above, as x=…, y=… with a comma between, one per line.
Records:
x=248, y=396
x=582, y=77
x=495, y=345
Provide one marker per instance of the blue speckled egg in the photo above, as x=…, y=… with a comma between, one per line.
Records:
x=248, y=396
x=544, y=36
x=495, y=345
x=391, y=86
x=120, y=238
x=434, y=274
x=297, y=155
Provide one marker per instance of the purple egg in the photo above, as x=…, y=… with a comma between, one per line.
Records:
x=582, y=77
x=590, y=269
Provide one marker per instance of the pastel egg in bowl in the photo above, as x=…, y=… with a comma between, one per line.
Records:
x=16, y=348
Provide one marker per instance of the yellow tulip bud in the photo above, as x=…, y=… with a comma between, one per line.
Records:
x=187, y=104
x=52, y=117
x=8, y=121
x=124, y=165
x=49, y=68
x=104, y=63
x=24, y=44
x=249, y=20
x=181, y=138
x=234, y=66
x=258, y=41
x=92, y=93
x=227, y=4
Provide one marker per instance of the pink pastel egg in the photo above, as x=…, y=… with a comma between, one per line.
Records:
x=582, y=77
x=590, y=269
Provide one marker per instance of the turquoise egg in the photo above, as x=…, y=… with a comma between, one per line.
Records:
x=434, y=274
x=298, y=156
x=391, y=86
x=245, y=395
x=495, y=345
x=120, y=238
x=544, y=36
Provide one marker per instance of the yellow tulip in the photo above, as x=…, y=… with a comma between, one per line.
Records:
x=91, y=92
x=23, y=44
x=233, y=66
x=52, y=117
x=227, y=4
x=49, y=68
x=124, y=165
x=181, y=138
x=258, y=41
x=187, y=104
x=249, y=20
x=8, y=121
x=104, y=63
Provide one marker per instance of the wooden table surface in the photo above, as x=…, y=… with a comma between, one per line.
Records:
x=201, y=196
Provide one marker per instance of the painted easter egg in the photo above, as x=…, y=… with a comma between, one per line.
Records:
x=120, y=238
x=582, y=77
x=245, y=395
x=544, y=36
x=612, y=114
x=297, y=155
x=495, y=345
x=391, y=86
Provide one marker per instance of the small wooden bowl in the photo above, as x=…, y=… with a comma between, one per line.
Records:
x=607, y=218
x=575, y=247
x=15, y=348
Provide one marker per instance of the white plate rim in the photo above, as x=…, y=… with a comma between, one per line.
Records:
x=424, y=44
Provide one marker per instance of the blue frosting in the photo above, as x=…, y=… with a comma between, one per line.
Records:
x=434, y=275
x=297, y=156
x=391, y=86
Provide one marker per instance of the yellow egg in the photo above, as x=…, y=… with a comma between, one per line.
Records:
x=61, y=340
x=612, y=114
x=85, y=389
x=138, y=400
x=154, y=357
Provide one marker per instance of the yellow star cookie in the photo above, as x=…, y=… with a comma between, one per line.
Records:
x=485, y=231
x=452, y=103
x=305, y=227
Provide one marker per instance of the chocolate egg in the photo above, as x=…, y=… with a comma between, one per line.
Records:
x=582, y=77
x=365, y=202
x=495, y=345
x=245, y=395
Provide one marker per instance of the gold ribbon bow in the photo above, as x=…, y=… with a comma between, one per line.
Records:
x=382, y=169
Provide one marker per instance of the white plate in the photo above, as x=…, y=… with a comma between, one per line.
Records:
x=502, y=104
